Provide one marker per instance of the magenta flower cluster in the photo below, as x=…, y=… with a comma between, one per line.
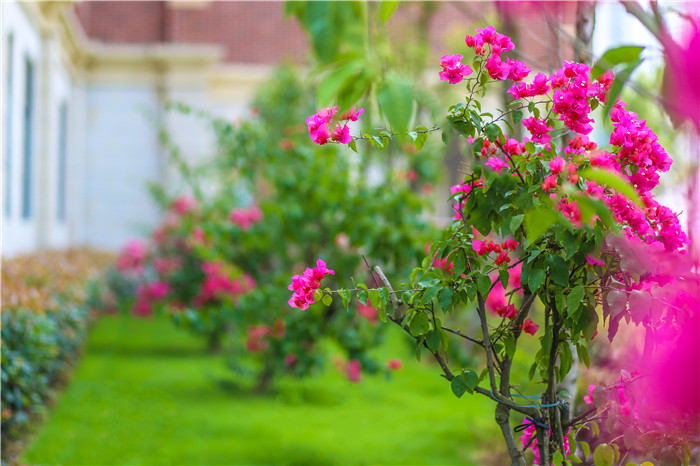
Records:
x=306, y=284
x=639, y=159
x=319, y=129
x=218, y=283
x=496, y=66
x=244, y=218
x=453, y=70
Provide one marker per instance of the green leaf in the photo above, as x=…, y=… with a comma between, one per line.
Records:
x=557, y=457
x=430, y=293
x=362, y=296
x=583, y=355
x=445, y=298
x=432, y=339
x=395, y=99
x=374, y=297
x=517, y=116
x=535, y=280
x=353, y=145
x=530, y=148
x=458, y=386
x=327, y=299
x=586, y=449
x=574, y=459
x=614, y=181
x=509, y=345
x=387, y=9
x=318, y=295
x=429, y=279
x=537, y=222
x=346, y=295
x=604, y=455
x=334, y=82
x=575, y=299
x=484, y=285
x=471, y=379
x=419, y=325
x=419, y=139
x=491, y=131
x=516, y=221
x=558, y=270
x=616, y=56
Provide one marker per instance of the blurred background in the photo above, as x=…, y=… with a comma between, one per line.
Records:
x=181, y=124
x=85, y=86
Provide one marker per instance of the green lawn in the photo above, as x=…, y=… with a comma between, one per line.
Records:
x=146, y=393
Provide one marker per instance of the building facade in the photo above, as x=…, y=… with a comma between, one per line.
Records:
x=85, y=84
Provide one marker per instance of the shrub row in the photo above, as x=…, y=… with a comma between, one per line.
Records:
x=47, y=301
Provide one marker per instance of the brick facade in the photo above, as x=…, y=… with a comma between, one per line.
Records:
x=258, y=32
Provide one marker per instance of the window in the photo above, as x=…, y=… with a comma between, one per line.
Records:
x=8, y=127
x=28, y=139
x=62, y=149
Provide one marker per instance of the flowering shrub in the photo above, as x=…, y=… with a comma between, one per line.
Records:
x=535, y=245
x=174, y=271
x=277, y=205
x=46, y=299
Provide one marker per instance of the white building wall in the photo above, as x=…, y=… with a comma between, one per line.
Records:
x=19, y=234
x=121, y=155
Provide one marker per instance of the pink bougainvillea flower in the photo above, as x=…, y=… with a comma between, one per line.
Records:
x=394, y=364
x=132, y=257
x=496, y=164
x=290, y=359
x=538, y=129
x=354, y=370
x=341, y=134
x=453, y=70
x=351, y=115
x=529, y=326
x=304, y=285
x=594, y=260
x=184, y=204
x=550, y=183
x=367, y=311
x=507, y=312
x=682, y=95
x=497, y=68
x=556, y=165
x=588, y=399
x=517, y=70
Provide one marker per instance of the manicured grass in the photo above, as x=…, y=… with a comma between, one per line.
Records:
x=146, y=393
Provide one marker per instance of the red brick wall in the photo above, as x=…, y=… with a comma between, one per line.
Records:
x=122, y=22
x=258, y=32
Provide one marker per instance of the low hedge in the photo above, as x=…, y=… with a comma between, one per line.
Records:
x=47, y=300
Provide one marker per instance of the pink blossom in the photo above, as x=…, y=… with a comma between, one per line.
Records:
x=132, y=257
x=550, y=183
x=507, y=312
x=245, y=218
x=354, y=370
x=304, y=285
x=517, y=70
x=594, y=260
x=290, y=359
x=496, y=164
x=368, y=311
x=556, y=165
x=539, y=129
x=510, y=244
x=394, y=364
x=352, y=114
x=341, y=134
x=184, y=204
x=512, y=147
x=453, y=70
x=529, y=326
x=497, y=68
x=588, y=399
